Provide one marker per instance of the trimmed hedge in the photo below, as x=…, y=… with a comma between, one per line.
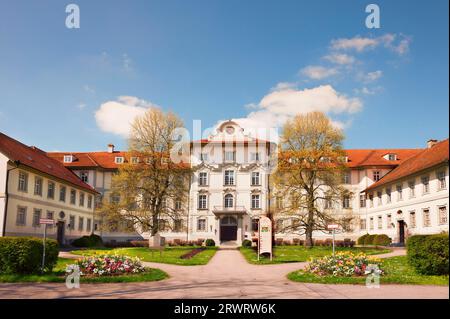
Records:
x=362, y=239
x=369, y=240
x=382, y=240
x=88, y=241
x=428, y=254
x=246, y=243
x=23, y=255
x=210, y=242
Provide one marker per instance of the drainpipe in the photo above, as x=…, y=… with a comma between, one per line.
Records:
x=16, y=163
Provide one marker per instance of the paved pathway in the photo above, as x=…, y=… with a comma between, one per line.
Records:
x=227, y=275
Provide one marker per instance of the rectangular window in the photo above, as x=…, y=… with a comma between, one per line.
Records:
x=380, y=222
x=23, y=182
x=118, y=160
x=371, y=200
x=73, y=196
x=399, y=192
x=389, y=221
x=255, y=202
x=279, y=202
x=379, y=202
x=255, y=178
x=68, y=159
x=328, y=202
x=412, y=189
x=88, y=225
x=115, y=199
x=443, y=219
x=371, y=223
x=412, y=219
x=81, y=201
x=21, y=219
x=178, y=204
x=362, y=200
x=346, y=202
x=134, y=160
x=362, y=224
x=230, y=156
x=38, y=186
x=89, y=202
x=388, y=195
x=62, y=193
x=80, y=223
x=347, y=178
x=392, y=157
x=50, y=215
x=229, y=177
x=84, y=176
x=441, y=180
x=201, y=224
x=203, y=179
x=376, y=176
x=255, y=157
x=255, y=223
x=426, y=218
x=72, y=222
x=51, y=190
x=36, y=217
x=425, y=184
x=202, y=201
x=204, y=157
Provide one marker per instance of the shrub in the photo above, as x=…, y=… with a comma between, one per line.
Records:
x=199, y=242
x=210, y=243
x=139, y=243
x=428, y=254
x=344, y=264
x=105, y=265
x=246, y=243
x=287, y=242
x=296, y=241
x=23, y=255
x=88, y=241
x=369, y=240
x=362, y=239
x=279, y=241
x=382, y=240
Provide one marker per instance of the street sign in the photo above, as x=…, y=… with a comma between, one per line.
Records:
x=265, y=236
x=332, y=226
x=46, y=221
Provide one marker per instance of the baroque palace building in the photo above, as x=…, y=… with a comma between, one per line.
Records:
x=398, y=192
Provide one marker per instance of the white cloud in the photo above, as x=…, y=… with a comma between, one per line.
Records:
x=116, y=117
x=88, y=89
x=356, y=43
x=340, y=58
x=397, y=43
x=81, y=106
x=127, y=63
x=317, y=72
x=371, y=76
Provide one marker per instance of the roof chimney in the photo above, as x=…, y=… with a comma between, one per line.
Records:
x=431, y=143
x=110, y=148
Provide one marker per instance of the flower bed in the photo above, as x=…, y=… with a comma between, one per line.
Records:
x=345, y=264
x=107, y=265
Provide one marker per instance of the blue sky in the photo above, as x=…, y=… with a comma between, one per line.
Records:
x=258, y=61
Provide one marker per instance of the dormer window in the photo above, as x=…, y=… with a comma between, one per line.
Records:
x=343, y=159
x=134, y=160
x=390, y=157
x=118, y=160
x=68, y=158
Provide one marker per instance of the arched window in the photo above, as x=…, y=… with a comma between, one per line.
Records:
x=228, y=201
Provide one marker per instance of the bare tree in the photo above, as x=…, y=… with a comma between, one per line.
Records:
x=149, y=191
x=308, y=180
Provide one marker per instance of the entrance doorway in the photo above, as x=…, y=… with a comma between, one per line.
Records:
x=228, y=228
x=401, y=232
x=60, y=232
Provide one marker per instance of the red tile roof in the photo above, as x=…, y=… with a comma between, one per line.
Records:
x=37, y=159
x=374, y=157
x=426, y=158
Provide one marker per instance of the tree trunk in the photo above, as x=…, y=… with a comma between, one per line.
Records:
x=309, y=228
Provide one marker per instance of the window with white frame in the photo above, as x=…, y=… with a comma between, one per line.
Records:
x=362, y=200
x=255, y=178
x=230, y=156
x=346, y=202
x=23, y=182
x=229, y=177
x=392, y=157
x=412, y=189
x=389, y=221
x=443, y=219
x=134, y=160
x=346, y=177
x=21, y=218
x=328, y=202
x=228, y=201
x=36, y=217
x=380, y=222
x=178, y=204
x=50, y=215
x=399, y=192
x=88, y=224
x=68, y=159
x=441, y=180
x=71, y=222
x=279, y=202
x=388, y=195
x=84, y=176
x=89, y=202
x=38, y=181
x=256, y=201
x=202, y=179
x=201, y=224
x=81, y=199
x=362, y=224
x=202, y=201
x=80, y=223
x=376, y=176
x=51, y=190
x=371, y=223
x=62, y=193
x=255, y=156
x=204, y=157
x=73, y=196
x=412, y=219
x=118, y=159
x=425, y=184
x=426, y=217
x=371, y=200
x=379, y=202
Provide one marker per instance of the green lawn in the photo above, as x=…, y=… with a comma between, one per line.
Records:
x=289, y=254
x=170, y=255
x=58, y=275
x=397, y=271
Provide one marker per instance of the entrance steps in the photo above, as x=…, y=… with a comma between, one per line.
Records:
x=229, y=245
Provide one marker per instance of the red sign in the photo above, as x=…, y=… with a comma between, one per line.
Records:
x=46, y=221
x=332, y=226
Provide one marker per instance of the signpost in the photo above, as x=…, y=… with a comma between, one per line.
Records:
x=333, y=227
x=265, y=236
x=45, y=222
